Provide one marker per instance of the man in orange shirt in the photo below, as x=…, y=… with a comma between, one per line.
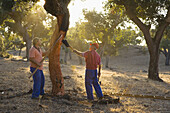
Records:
x=35, y=57
x=93, y=60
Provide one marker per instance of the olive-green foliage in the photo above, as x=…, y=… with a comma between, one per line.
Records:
x=152, y=11
x=34, y=19
x=1, y=43
x=101, y=28
x=165, y=43
x=76, y=37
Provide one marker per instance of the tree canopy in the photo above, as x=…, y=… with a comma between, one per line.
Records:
x=146, y=13
x=26, y=20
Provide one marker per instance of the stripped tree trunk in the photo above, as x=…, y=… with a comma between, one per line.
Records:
x=54, y=64
x=57, y=8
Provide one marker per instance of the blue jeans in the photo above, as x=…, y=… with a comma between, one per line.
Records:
x=91, y=79
x=39, y=81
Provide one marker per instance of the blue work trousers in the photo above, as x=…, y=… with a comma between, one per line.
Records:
x=91, y=79
x=39, y=81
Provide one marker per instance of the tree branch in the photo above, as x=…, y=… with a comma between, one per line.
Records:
x=161, y=29
x=168, y=15
x=164, y=52
x=159, y=33
x=15, y=27
x=144, y=28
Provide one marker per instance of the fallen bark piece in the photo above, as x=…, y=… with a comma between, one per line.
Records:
x=43, y=106
x=66, y=77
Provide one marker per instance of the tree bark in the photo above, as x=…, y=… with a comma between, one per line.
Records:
x=57, y=8
x=28, y=45
x=54, y=65
x=153, y=71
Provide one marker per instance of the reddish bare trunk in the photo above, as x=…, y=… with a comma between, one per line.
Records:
x=54, y=65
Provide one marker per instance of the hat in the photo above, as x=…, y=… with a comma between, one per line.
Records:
x=96, y=45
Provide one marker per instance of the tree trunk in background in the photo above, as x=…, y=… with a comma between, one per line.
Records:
x=153, y=71
x=167, y=58
x=80, y=60
x=65, y=56
x=152, y=44
x=22, y=31
x=70, y=54
x=20, y=49
x=107, y=61
x=102, y=50
x=54, y=65
x=28, y=46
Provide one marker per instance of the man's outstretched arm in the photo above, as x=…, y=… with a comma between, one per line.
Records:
x=78, y=52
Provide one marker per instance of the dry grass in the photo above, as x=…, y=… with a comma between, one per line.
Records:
x=127, y=74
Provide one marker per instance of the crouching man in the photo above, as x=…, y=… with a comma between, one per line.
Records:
x=35, y=57
x=93, y=60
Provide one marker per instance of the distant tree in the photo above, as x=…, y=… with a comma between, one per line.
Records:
x=7, y=38
x=1, y=44
x=165, y=45
x=14, y=17
x=57, y=8
x=145, y=13
x=77, y=38
x=102, y=28
x=26, y=19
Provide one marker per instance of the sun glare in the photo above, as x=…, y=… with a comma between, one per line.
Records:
x=41, y=2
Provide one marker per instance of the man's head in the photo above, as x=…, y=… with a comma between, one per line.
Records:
x=94, y=46
x=36, y=42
